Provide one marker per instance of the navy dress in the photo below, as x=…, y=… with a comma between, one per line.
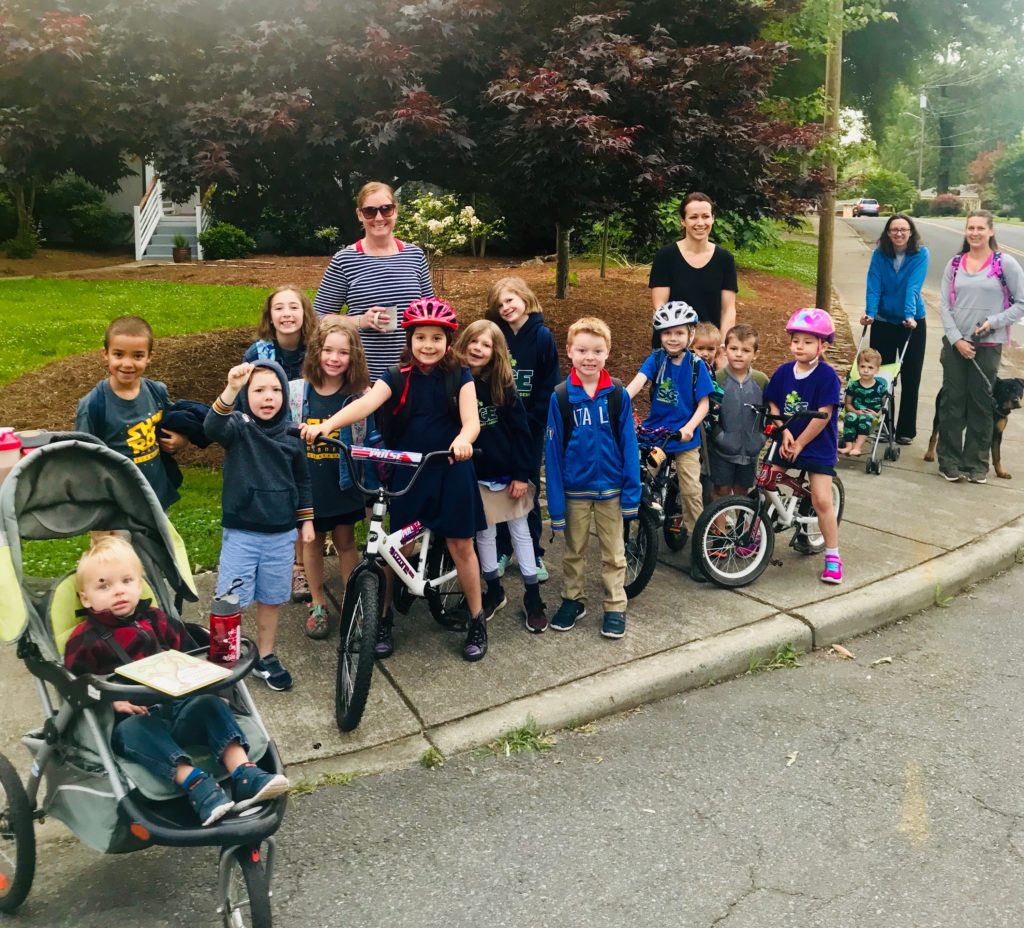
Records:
x=446, y=497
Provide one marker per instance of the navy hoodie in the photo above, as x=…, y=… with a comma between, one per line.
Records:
x=504, y=439
x=266, y=479
x=535, y=364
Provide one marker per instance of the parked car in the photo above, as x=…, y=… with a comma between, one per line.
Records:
x=865, y=206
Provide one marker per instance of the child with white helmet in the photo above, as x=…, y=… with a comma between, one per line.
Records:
x=679, y=399
x=812, y=445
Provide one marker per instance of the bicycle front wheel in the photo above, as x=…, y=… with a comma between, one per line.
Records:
x=17, y=840
x=732, y=543
x=641, y=542
x=355, y=652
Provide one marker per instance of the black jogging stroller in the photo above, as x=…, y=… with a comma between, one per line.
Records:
x=70, y=485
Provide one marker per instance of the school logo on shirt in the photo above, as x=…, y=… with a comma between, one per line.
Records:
x=320, y=450
x=793, y=403
x=488, y=414
x=142, y=438
x=667, y=393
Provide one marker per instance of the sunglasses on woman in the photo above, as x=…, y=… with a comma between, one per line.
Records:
x=370, y=212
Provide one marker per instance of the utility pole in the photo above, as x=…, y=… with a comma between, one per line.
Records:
x=920, y=152
x=827, y=214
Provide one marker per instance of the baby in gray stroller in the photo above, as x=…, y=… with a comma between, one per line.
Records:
x=120, y=627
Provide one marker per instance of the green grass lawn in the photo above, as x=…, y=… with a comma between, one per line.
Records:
x=797, y=260
x=45, y=319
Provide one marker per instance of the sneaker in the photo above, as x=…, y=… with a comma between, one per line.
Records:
x=494, y=600
x=833, y=572
x=903, y=440
x=613, y=625
x=972, y=479
x=542, y=572
x=385, y=644
x=536, y=620
x=300, y=587
x=251, y=786
x=273, y=672
x=567, y=614
x=316, y=623
x=476, y=639
x=503, y=563
x=209, y=800
x=952, y=478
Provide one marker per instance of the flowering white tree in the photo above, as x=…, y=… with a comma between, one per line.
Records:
x=441, y=227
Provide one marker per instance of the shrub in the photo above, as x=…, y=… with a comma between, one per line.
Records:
x=1009, y=178
x=921, y=207
x=8, y=217
x=293, y=231
x=945, y=204
x=93, y=225
x=57, y=199
x=22, y=246
x=223, y=240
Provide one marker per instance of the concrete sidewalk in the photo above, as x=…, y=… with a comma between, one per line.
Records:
x=904, y=534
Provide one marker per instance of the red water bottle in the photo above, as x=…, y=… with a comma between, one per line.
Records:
x=226, y=627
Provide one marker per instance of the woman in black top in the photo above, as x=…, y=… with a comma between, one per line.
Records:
x=695, y=269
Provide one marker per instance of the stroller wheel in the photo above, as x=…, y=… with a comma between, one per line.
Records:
x=873, y=467
x=245, y=893
x=17, y=840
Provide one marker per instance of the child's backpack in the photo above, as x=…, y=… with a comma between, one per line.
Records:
x=569, y=421
x=394, y=414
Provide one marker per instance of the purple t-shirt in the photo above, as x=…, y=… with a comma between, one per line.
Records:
x=819, y=388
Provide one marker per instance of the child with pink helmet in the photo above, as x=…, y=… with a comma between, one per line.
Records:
x=812, y=445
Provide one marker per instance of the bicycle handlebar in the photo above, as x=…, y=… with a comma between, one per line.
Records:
x=765, y=413
x=415, y=459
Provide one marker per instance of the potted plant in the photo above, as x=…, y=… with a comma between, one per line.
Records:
x=181, y=251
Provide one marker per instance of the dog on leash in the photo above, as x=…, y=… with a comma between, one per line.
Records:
x=1007, y=395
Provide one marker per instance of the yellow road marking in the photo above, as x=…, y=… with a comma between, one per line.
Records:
x=938, y=225
x=914, y=821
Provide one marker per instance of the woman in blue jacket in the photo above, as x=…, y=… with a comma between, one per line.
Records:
x=896, y=311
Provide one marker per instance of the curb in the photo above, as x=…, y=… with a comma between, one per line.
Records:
x=702, y=662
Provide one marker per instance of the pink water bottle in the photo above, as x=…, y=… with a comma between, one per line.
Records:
x=226, y=627
x=10, y=451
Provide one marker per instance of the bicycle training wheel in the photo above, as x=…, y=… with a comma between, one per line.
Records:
x=246, y=895
x=17, y=840
x=446, y=602
x=355, y=652
x=810, y=539
x=641, y=542
x=731, y=542
x=674, y=540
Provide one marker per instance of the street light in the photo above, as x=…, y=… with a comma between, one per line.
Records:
x=920, y=147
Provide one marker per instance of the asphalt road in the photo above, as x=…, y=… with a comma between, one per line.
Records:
x=943, y=238
x=879, y=792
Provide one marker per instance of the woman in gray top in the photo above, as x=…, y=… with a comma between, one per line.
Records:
x=982, y=296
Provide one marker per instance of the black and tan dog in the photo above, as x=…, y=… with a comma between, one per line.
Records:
x=1007, y=395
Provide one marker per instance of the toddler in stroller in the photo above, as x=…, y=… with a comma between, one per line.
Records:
x=70, y=486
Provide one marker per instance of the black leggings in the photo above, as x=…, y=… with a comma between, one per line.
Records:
x=888, y=339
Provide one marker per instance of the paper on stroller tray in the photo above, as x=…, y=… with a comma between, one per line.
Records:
x=173, y=673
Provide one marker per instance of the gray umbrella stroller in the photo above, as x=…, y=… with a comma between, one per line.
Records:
x=67, y=487
x=883, y=437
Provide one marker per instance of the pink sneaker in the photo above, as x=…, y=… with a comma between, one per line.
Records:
x=833, y=572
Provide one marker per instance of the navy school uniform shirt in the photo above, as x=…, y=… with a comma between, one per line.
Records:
x=674, y=398
x=819, y=388
x=131, y=428
x=534, y=360
x=504, y=440
x=324, y=460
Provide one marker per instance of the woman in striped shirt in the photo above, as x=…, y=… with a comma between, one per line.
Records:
x=376, y=278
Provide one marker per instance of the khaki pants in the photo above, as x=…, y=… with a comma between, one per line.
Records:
x=607, y=513
x=691, y=493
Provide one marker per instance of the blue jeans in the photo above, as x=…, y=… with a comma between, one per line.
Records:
x=155, y=740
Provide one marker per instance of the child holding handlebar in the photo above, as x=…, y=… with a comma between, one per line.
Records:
x=428, y=403
x=808, y=382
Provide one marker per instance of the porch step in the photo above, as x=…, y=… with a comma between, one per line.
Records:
x=161, y=244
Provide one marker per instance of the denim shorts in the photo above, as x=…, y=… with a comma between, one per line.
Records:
x=262, y=562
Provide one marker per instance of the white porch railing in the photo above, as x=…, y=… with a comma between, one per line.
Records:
x=202, y=224
x=147, y=216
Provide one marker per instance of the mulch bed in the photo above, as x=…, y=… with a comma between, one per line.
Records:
x=194, y=366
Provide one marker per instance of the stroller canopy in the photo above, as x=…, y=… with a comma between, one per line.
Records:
x=71, y=486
